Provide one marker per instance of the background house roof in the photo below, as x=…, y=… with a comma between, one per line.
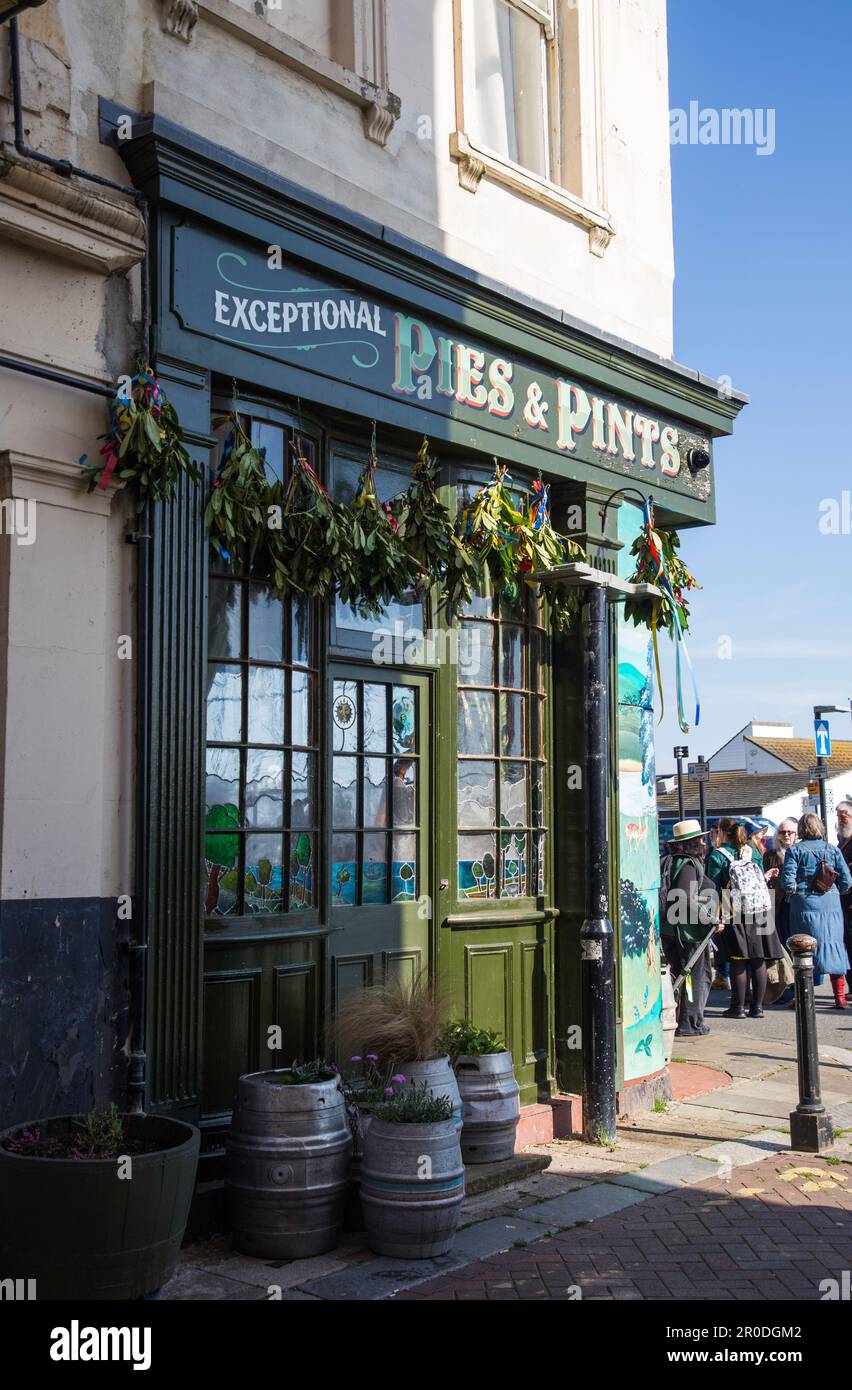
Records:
x=738, y=792
x=799, y=753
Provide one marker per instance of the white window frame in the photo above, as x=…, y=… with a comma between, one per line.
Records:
x=476, y=161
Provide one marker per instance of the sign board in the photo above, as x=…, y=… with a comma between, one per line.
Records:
x=681, y=752
x=699, y=772
x=241, y=295
x=817, y=771
x=822, y=738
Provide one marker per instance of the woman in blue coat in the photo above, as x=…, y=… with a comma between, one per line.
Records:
x=819, y=914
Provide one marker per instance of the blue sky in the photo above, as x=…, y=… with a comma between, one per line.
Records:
x=763, y=291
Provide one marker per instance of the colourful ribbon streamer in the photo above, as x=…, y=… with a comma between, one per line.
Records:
x=122, y=419
x=662, y=581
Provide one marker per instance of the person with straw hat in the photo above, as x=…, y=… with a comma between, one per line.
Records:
x=689, y=908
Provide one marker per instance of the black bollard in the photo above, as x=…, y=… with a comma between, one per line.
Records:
x=811, y=1129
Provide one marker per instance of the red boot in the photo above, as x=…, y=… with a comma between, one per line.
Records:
x=838, y=984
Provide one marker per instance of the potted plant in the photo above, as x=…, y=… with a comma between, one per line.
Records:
x=366, y=1089
x=490, y=1095
x=412, y=1175
x=403, y=1024
x=95, y=1206
x=288, y=1155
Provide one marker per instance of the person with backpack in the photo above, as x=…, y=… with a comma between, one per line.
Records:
x=689, y=911
x=750, y=939
x=814, y=876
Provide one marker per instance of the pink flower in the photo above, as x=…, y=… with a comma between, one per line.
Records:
x=371, y=1057
x=356, y=1059
x=389, y=1090
x=399, y=1079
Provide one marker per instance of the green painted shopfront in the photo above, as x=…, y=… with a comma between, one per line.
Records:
x=324, y=800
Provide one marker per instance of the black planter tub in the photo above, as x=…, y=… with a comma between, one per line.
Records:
x=79, y=1229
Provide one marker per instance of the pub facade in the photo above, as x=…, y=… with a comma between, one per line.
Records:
x=313, y=801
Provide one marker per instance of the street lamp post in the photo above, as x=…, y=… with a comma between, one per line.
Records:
x=597, y=939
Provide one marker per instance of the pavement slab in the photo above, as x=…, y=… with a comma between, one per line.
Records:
x=714, y=1246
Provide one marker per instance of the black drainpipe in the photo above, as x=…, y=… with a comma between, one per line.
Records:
x=138, y=945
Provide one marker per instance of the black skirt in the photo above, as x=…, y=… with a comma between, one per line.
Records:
x=749, y=941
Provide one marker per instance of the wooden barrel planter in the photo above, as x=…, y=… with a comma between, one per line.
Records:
x=81, y=1230
x=412, y=1188
x=289, y=1153
x=491, y=1106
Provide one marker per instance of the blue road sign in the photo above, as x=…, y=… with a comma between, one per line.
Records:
x=822, y=738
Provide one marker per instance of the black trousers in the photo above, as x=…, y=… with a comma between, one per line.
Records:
x=690, y=1012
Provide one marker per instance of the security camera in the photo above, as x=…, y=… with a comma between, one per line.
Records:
x=697, y=459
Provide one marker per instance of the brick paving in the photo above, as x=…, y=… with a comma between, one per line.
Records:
x=771, y=1232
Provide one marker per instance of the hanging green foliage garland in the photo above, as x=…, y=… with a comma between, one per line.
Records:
x=144, y=444
x=237, y=514
x=313, y=552
x=426, y=530
x=300, y=540
x=515, y=546
x=647, y=571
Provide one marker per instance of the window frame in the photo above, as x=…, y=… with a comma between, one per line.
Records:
x=476, y=160
x=461, y=474
x=259, y=925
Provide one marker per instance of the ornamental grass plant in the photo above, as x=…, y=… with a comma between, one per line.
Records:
x=399, y=1022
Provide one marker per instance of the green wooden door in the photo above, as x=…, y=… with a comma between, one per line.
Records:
x=377, y=855
x=495, y=942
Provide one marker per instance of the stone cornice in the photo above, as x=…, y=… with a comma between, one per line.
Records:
x=66, y=219
x=52, y=482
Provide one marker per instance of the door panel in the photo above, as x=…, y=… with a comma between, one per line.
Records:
x=378, y=861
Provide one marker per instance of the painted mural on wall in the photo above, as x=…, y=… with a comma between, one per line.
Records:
x=641, y=988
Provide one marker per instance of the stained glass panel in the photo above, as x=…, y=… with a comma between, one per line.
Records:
x=263, y=883
x=404, y=868
x=404, y=727
x=404, y=792
x=264, y=787
x=223, y=777
x=303, y=807
x=477, y=866
x=301, y=631
x=511, y=655
x=301, y=876
x=344, y=870
x=375, y=791
x=344, y=715
x=266, y=704
x=478, y=666
x=266, y=625
x=224, y=619
x=301, y=699
x=477, y=793
x=224, y=704
x=374, y=869
x=476, y=721
x=375, y=718
x=344, y=796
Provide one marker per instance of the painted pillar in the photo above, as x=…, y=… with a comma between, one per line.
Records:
x=638, y=841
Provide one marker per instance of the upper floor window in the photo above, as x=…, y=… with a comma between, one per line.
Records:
x=512, y=49
x=528, y=104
